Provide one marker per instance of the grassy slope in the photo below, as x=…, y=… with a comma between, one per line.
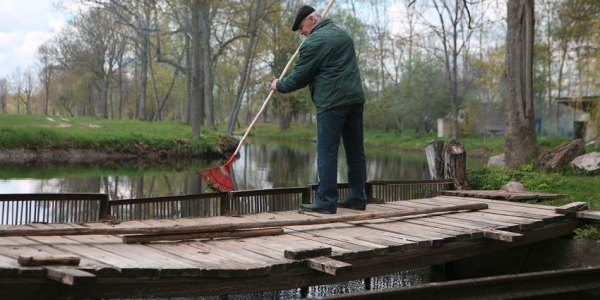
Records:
x=17, y=131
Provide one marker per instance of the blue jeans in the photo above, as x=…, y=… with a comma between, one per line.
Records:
x=345, y=123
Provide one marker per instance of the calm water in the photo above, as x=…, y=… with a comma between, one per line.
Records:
x=261, y=165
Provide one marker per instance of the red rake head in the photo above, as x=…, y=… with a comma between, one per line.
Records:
x=218, y=179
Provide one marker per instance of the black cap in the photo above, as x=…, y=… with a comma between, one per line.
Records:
x=303, y=12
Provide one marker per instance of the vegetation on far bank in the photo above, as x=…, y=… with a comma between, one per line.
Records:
x=60, y=133
x=574, y=187
x=407, y=140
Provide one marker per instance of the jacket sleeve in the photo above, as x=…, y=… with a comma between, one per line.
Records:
x=304, y=70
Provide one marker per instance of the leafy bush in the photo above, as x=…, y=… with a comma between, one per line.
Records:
x=589, y=232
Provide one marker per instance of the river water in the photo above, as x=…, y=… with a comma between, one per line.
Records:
x=261, y=165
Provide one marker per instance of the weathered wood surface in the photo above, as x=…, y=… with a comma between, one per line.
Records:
x=502, y=195
x=383, y=245
x=229, y=226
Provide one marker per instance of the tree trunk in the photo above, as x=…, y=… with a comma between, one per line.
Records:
x=207, y=64
x=197, y=74
x=143, y=56
x=519, y=128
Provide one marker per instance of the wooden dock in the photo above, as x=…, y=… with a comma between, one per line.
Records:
x=358, y=249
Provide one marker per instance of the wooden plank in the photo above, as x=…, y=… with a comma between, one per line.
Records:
x=15, y=246
x=70, y=276
x=499, y=235
x=549, y=208
x=588, y=215
x=500, y=219
x=41, y=259
x=503, y=195
x=526, y=221
x=302, y=253
x=105, y=263
x=571, y=208
x=328, y=265
x=242, y=233
x=230, y=226
x=534, y=212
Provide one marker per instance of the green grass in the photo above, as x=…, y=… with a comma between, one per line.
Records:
x=575, y=187
x=18, y=131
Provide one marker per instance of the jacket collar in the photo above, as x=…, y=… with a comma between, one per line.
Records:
x=321, y=24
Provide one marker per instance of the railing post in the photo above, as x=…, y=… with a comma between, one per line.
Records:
x=224, y=204
x=369, y=191
x=306, y=195
x=104, y=210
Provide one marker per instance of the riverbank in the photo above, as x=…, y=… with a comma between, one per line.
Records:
x=408, y=140
x=575, y=187
x=28, y=139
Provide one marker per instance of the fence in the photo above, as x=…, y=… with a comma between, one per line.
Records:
x=77, y=208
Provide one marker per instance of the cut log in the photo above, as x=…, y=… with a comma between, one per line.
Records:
x=146, y=238
x=499, y=235
x=70, y=276
x=561, y=155
x=327, y=265
x=455, y=163
x=588, y=214
x=571, y=208
x=44, y=260
x=435, y=159
x=236, y=226
x=303, y=253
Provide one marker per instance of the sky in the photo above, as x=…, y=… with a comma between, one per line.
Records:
x=24, y=26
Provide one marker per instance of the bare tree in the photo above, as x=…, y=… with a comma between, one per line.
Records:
x=3, y=94
x=16, y=83
x=28, y=87
x=256, y=12
x=519, y=129
x=46, y=71
x=454, y=36
x=137, y=15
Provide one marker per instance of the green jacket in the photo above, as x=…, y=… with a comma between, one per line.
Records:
x=327, y=64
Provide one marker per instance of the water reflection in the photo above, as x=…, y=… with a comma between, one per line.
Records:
x=261, y=165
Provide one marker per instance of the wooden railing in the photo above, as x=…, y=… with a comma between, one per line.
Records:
x=52, y=208
x=76, y=208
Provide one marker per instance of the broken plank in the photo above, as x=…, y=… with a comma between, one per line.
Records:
x=571, y=208
x=69, y=276
x=30, y=260
x=302, y=253
x=327, y=265
x=500, y=235
x=588, y=214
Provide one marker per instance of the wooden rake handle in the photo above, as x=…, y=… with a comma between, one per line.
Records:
x=266, y=101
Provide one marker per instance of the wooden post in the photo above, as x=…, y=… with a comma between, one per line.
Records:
x=435, y=159
x=224, y=203
x=455, y=163
x=104, y=209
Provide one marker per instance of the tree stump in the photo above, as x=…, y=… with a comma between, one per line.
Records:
x=448, y=160
x=435, y=159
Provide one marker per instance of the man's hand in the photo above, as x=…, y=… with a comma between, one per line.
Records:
x=274, y=84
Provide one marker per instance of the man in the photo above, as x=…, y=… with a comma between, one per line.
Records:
x=328, y=65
